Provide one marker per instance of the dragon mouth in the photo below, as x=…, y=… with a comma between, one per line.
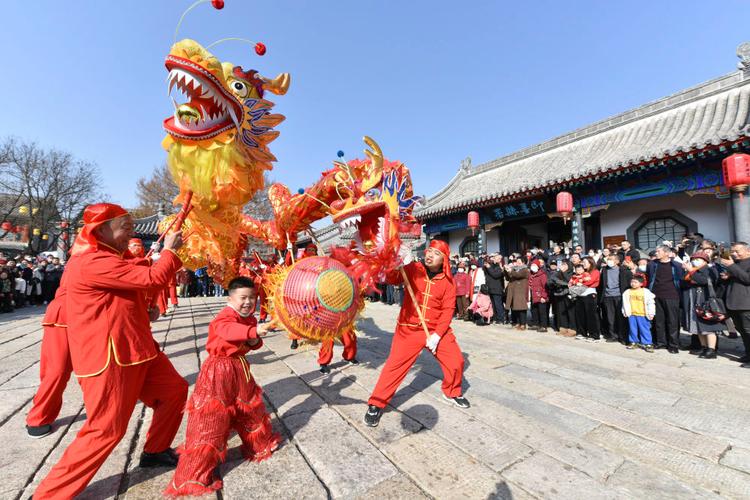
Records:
x=369, y=223
x=210, y=109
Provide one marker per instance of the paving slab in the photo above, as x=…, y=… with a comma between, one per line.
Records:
x=550, y=418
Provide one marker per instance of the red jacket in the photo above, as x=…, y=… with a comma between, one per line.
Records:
x=436, y=298
x=463, y=284
x=106, y=308
x=538, y=286
x=229, y=332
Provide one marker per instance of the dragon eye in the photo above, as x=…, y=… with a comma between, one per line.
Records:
x=239, y=88
x=372, y=194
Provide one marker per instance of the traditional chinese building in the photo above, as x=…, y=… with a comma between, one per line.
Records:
x=650, y=174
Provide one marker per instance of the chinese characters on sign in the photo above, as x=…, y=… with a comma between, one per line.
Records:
x=519, y=209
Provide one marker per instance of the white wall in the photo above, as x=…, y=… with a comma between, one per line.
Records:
x=711, y=214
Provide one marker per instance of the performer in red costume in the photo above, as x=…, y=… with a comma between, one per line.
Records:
x=116, y=360
x=225, y=397
x=435, y=294
x=54, y=367
x=325, y=355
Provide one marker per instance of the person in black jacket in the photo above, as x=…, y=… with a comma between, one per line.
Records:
x=494, y=278
x=615, y=279
x=563, y=307
x=737, y=273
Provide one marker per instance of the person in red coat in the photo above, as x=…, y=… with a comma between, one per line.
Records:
x=435, y=294
x=539, y=296
x=114, y=357
x=225, y=398
x=54, y=367
x=463, y=292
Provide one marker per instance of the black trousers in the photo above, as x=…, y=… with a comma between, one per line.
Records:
x=565, y=312
x=587, y=317
x=666, y=323
x=519, y=317
x=539, y=314
x=742, y=324
x=498, y=308
x=613, y=324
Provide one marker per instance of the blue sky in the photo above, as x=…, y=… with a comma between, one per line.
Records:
x=432, y=82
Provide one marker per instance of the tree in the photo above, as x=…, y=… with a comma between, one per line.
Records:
x=44, y=187
x=158, y=190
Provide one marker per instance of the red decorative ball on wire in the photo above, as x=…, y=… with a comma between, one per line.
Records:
x=260, y=48
x=217, y=4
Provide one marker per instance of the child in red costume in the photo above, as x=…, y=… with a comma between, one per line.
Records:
x=225, y=398
x=435, y=293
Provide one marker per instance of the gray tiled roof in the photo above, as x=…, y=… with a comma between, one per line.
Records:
x=709, y=114
x=147, y=227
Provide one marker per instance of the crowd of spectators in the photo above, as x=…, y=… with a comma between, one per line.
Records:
x=615, y=294
x=28, y=280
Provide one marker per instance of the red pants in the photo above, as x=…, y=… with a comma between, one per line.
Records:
x=405, y=349
x=325, y=355
x=54, y=372
x=110, y=399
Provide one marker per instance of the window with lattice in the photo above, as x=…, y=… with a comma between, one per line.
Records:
x=654, y=231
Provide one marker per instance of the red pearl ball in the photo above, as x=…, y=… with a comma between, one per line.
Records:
x=218, y=4
x=260, y=49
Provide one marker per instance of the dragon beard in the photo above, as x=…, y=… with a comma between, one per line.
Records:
x=222, y=178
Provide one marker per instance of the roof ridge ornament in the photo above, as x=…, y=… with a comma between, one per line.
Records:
x=743, y=52
x=466, y=165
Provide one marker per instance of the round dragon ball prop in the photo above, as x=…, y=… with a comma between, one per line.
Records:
x=317, y=299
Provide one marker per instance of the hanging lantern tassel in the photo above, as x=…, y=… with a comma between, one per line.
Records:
x=473, y=222
x=564, y=205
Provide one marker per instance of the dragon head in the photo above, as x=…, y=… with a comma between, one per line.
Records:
x=218, y=137
x=376, y=198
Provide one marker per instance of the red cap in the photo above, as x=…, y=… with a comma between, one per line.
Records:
x=443, y=248
x=93, y=217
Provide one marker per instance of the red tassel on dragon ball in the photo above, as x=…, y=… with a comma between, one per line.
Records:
x=225, y=398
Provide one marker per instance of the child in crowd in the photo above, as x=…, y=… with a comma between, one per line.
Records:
x=225, y=398
x=639, y=306
x=482, y=306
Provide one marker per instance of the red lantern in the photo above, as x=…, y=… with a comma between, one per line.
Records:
x=7, y=226
x=564, y=202
x=260, y=48
x=736, y=170
x=473, y=221
x=17, y=229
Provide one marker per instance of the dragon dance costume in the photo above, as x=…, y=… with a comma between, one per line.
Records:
x=226, y=398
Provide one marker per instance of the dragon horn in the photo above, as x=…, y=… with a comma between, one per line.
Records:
x=376, y=155
x=278, y=85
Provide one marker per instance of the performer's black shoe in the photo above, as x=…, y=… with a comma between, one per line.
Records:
x=166, y=458
x=353, y=361
x=325, y=369
x=294, y=344
x=372, y=417
x=459, y=401
x=38, y=431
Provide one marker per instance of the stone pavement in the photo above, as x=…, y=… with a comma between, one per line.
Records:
x=550, y=418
